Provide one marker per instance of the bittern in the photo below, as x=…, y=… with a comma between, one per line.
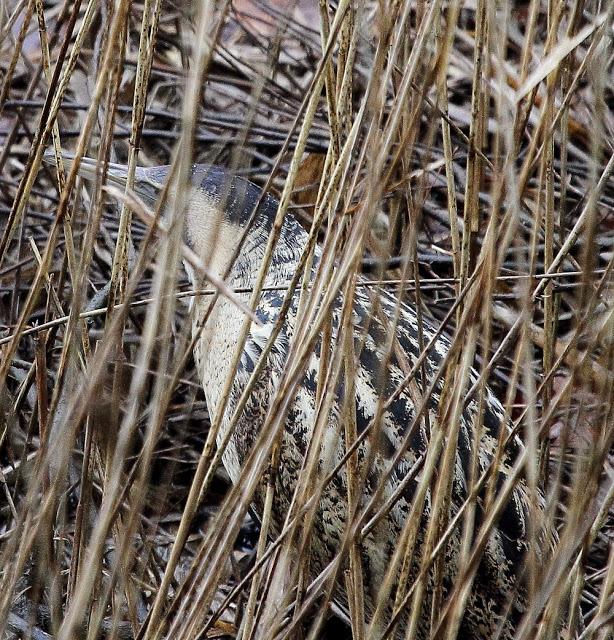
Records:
x=398, y=416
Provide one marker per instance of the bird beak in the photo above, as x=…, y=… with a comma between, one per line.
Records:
x=147, y=184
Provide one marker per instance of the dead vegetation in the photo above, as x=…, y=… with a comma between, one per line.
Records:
x=462, y=153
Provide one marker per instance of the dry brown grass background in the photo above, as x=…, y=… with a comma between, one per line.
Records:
x=474, y=143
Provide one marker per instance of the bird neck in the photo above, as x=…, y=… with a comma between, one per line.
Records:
x=284, y=259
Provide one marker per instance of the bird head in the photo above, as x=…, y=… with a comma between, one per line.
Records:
x=219, y=206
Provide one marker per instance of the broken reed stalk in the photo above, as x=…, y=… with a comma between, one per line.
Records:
x=379, y=93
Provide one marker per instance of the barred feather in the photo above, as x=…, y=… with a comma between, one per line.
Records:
x=497, y=599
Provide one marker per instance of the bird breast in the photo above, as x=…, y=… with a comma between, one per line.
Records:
x=377, y=376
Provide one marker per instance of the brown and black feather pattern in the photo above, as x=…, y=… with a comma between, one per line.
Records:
x=497, y=598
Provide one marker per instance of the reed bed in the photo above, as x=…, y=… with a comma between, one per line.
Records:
x=459, y=154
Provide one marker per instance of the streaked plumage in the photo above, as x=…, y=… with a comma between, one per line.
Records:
x=224, y=203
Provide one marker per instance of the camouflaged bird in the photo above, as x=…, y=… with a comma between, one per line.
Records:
x=220, y=206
